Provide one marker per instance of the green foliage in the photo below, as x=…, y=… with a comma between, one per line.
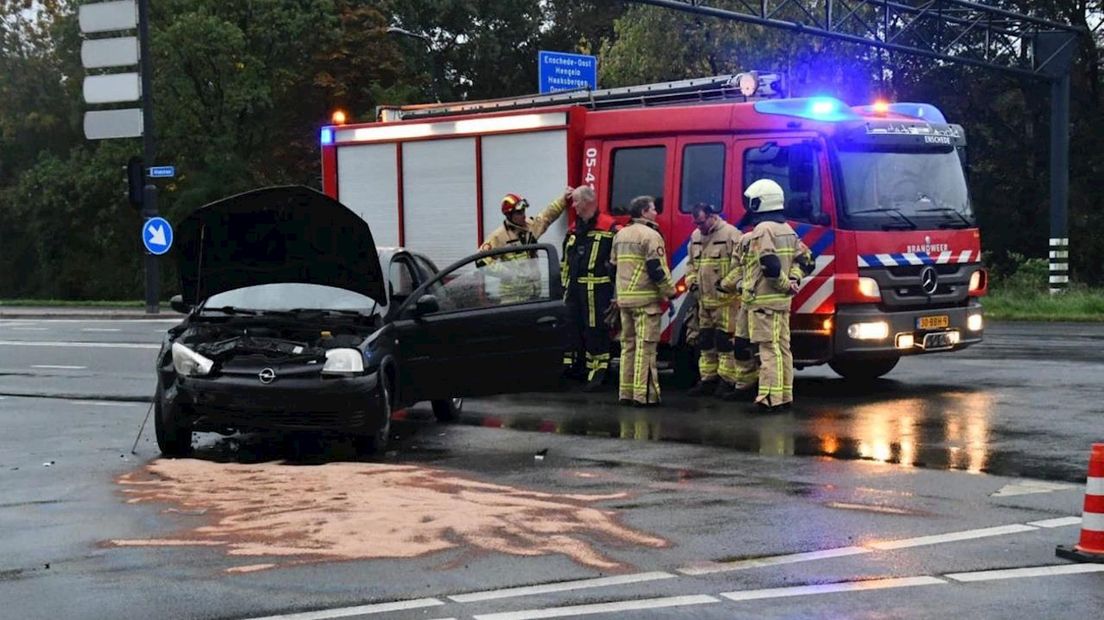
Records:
x=1078, y=304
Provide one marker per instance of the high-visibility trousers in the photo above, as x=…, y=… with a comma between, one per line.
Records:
x=716, y=344
x=587, y=302
x=770, y=330
x=639, y=343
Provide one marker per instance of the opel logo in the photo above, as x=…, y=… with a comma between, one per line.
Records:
x=929, y=281
x=267, y=376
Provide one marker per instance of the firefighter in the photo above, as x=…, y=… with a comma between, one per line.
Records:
x=643, y=284
x=519, y=283
x=588, y=286
x=772, y=261
x=713, y=248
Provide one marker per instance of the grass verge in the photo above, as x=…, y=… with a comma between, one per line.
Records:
x=1034, y=305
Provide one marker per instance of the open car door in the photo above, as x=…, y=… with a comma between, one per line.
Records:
x=491, y=323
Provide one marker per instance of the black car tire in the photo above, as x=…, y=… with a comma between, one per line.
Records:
x=377, y=442
x=863, y=370
x=447, y=410
x=173, y=438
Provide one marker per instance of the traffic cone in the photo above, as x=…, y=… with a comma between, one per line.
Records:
x=1091, y=547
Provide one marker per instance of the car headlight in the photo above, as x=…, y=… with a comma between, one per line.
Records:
x=343, y=361
x=188, y=363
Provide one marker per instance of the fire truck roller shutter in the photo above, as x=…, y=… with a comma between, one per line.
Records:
x=533, y=165
x=439, y=204
x=367, y=183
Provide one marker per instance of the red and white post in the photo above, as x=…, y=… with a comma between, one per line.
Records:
x=1091, y=546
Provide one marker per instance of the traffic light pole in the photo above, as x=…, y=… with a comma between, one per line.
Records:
x=149, y=191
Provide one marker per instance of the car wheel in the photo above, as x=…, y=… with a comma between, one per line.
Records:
x=447, y=410
x=174, y=438
x=377, y=442
x=863, y=370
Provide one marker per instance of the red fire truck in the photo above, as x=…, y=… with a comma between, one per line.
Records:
x=877, y=192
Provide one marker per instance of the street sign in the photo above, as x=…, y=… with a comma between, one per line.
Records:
x=563, y=71
x=107, y=16
x=105, y=124
x=115, y=52
x=157, y=235
x=161, y=172
x=112, y=88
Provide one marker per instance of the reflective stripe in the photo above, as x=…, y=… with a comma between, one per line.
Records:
x=1093, y=522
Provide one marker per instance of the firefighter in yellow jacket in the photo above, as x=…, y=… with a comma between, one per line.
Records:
x=713, y=252
x=643, y=284
x=772, y=262
x=519, y=282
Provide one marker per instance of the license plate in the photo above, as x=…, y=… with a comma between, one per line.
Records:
x=942, y=340
x=933, y=322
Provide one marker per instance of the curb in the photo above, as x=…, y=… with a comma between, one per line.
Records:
x=115, y=399
x=106, y=315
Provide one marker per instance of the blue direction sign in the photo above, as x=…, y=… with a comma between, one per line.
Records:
x=563, y=71
x=157, y=235
x=161, y=172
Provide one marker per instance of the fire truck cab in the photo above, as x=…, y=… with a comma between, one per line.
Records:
x=878, y=193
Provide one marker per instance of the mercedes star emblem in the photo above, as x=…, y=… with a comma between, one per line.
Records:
x=929, y=281
x=267, y=375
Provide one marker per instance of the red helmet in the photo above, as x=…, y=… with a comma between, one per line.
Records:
x=512, y=203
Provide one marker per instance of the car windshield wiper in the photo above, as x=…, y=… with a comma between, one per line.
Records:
x=230, y=310
x=965, y=222
x=893, y=210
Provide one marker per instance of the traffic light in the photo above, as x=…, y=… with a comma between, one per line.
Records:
x=136, y=181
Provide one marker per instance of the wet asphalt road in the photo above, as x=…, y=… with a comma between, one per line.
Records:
x=994, y=437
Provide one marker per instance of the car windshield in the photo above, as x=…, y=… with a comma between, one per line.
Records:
x=904, y=191
x=285, y=296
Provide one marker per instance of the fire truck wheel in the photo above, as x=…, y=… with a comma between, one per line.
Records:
x=863, y=370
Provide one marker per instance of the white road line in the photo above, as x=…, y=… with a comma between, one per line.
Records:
x=111, y=321
x=708, y=568
x=602, y=608
x=345, y=612
x=828, y=588
x=100, y=329
x=1062, y=522
x=58, y=367
x=105, y=403
x=951, y=537
x=30, y=329
x=1019, y=573
x=79, y=345
x=562, y=586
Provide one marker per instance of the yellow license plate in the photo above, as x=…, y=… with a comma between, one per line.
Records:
x=933, y=322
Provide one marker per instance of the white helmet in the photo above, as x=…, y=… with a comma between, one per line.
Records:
x=764, y=195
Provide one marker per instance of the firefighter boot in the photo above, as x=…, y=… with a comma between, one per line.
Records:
x=597, y=382
x=705, y=386
x=724, y=388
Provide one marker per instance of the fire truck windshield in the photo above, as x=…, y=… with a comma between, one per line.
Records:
x=885, y=190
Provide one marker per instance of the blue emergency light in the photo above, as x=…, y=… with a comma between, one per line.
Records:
x=327, y=136
x=827, y=109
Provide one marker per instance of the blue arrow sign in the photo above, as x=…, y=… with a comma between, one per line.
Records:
x=161, y=172
x=563, y=71
x=157, y=235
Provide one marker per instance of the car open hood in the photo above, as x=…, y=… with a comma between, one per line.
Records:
x=275, y=235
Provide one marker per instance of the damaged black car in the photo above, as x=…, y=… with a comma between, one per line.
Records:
x=297, y=321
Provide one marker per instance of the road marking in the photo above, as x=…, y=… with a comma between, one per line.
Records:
x=707, y=568
x=30, y=329
x=344, y=612
x=83, y=345
x=602, y=608
x=111, y=321
x=562, y=586
x=1018, y=573
x=105, y=403
x=1029, y=487
x=951, y=537
x=828, y=588
x=58, y=367
x=1062, y=522
x=100, y=329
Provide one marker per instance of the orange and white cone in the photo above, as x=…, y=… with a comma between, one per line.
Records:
x=1091, y=547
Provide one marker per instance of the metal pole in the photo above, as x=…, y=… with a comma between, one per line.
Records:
x=149, y=146
x=1059, y=182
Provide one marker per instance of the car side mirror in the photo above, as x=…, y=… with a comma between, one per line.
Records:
x=177, y=304
x=426, y=304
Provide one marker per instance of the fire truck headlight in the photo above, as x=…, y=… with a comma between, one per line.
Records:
x=977, y=280
x=974, y=322
x=869, y=331
x=868, y=287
